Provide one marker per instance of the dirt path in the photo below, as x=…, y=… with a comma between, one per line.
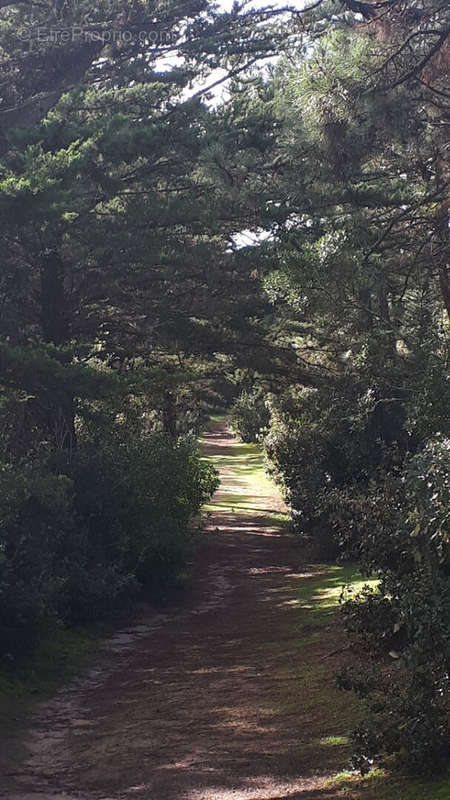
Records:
x=216, y=699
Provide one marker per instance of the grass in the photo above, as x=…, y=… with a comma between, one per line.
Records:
x=380, y=785
x=338, y=712
x=59, y=655
x=331, y=712
x=334, y=741
x=58, y=658
x=245, y=487
x=322, y=594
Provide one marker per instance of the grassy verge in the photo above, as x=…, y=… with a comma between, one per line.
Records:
x=381, y=785
x=337, y=712
x=59, y=658
x=329, y=714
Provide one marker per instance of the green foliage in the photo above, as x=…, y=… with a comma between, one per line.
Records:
x=36, y=521
x=80, y=537
x=404, y=626
x=119, y=294
x=250, y=415
x=342, y=460
x=129, y=302
x=321, y=442
x=359, y=284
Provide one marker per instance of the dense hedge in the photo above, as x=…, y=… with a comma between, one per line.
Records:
x=322, y=442
x=83, y=534
x=250, y=415
x=368, y=478
x=403, y=627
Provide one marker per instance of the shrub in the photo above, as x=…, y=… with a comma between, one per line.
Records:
x=321, y=444
x=135, y=501
x=36, y=520
x=405, y=626
x=250, y=415
x=85, y=534
x=341, y=458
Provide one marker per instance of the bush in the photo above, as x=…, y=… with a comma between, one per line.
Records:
x=135, y=501
x=321, y=444
x=405, y=626
x=342, y=460
x=36, y=520
x=83, y=535
x=250, y=416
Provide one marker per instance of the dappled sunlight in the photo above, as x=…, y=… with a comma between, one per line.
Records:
x=322, y=592
x=245, y=487
x=224, y=698
x=267, y=788
x=229, y=217
x=238, y=523
x=265, y=571
x=334, y=741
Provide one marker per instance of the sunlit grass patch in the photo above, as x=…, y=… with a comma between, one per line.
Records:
x=346, y=778
x=380, y=785
x=321, y=594
x=277, y=520
x=334, y=741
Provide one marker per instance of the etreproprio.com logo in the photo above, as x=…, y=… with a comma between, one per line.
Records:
x=77, y=33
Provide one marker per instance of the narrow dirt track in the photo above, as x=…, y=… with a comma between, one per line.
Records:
x=199, y=702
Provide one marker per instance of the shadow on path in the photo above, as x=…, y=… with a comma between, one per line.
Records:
x=200, y=702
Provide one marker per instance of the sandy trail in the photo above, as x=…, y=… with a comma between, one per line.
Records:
x=199, y=702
